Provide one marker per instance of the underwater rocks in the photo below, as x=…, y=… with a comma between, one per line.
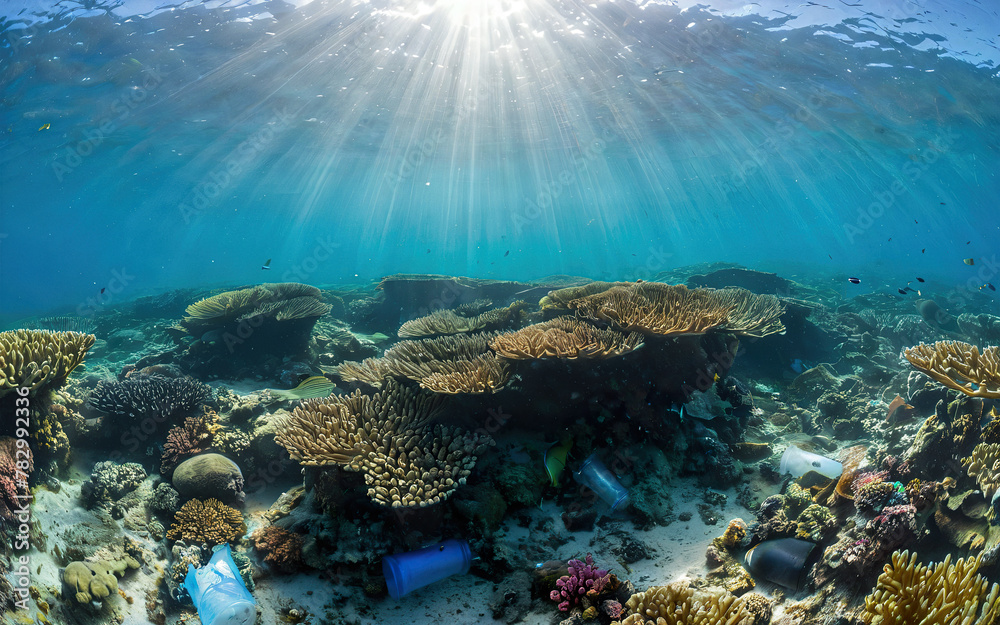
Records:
x=209, y=476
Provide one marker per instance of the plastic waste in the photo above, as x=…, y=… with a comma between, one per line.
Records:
x=798, y=462
x=594, y=475
x=218, y=592
x=406, y=572
x=781, y=561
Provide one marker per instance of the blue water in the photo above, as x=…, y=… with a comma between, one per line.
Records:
x=147, y=146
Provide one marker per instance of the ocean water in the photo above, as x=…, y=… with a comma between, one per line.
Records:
x=153, y=153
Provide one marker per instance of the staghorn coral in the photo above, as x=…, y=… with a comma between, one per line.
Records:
x=388, y=438
x=572, y=587
x=194, y=437
x=984, y=467
x=208, y=522
x=668, y=310
x=450, y=322
x=677, y=604
x=566, y=338
x=279, y=547
x=39, y=359
x=959, y=366
x=149, y=396
x=941, y=594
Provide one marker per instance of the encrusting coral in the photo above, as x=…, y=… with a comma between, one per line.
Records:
x=279, y=547
x=959, y=366
x=565, y=338
x=207, y=522
x=388, y=438
x=94, y=581
x=678, y=604
x=37, y=359
x=941, y=594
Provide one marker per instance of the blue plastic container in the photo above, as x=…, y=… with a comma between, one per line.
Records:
x=595, y=476
x=783, y=561
x=218, y=592
x=406, y=572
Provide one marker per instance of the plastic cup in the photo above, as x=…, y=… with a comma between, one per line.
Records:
x=406, y=572
x=218, y=592
x=781, y=561
x=594, y=475
x=798, y=462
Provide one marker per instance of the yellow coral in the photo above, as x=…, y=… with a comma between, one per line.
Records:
x=984, y=466
x=677, y=604
x=39, y=358
x=566, y=338
x=941, y=594
x=959, y=366
x=209, y=521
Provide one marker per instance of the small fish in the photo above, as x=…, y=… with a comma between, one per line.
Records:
x=830, y=257
x=901, y=291
x=890, y=238
x=923, y=250
x=428, y=250
x=266, y=265
x=854, y=280
x=103, y=290
x=969, y=261
x=506, y=254
x=915, y=221
x=45, y=127
x=991, y=287
x=921, y=280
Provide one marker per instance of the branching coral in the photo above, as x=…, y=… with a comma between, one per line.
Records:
x=984, y=467
x=677, y=604
x=208, y=522
x=194, y=437
x=566, y=338
x=37, y=359
x=280, y=548
x=387, y=437
x=941, y=594
x=582, y=577
x=959, y=366
x=149, y=396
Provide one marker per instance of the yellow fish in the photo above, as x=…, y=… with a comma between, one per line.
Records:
x=967, y=261
x=44, y=127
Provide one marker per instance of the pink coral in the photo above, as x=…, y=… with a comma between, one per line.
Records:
x=612, y=608
x=13, y=487
x=571, y=588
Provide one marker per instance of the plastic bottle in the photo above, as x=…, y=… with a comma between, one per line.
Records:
x=598, y=478
x=406, y=572
x=218, y=592
x=798, y=462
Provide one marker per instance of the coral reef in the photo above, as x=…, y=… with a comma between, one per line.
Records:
x=280, y=548
x=453, y=322
x=941, y=594
x=984, y=467
x=565, y=338
x=149, y=397
x=14, y=471
x=39, y=359
x=194, y=437
x=208, y=522
x=959, y=366
x=387, y=437
x=95, y=581
x=209, y=475
x=110, y=482
x=816, y=523
x=678, y=604
x=582, y=577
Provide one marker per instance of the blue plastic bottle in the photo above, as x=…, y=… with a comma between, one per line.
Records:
x=218, y=592
x=405, y=572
